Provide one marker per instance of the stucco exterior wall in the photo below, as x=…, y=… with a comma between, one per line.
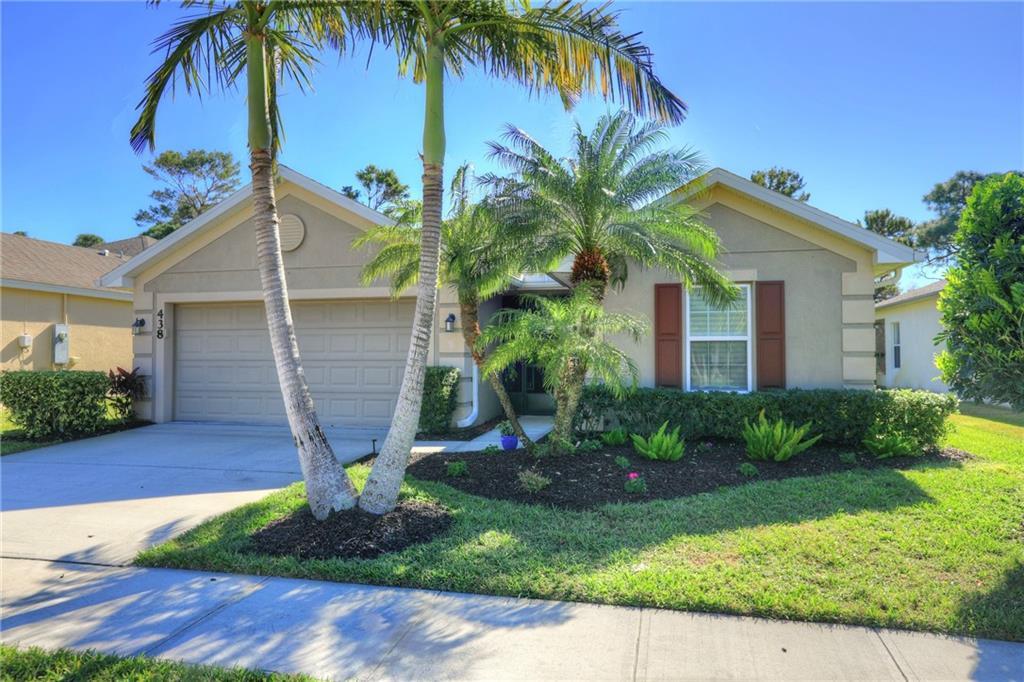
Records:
x=828, y=285
x=919, y=322
x=99, y=330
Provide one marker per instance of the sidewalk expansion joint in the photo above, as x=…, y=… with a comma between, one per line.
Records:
x=896, y=663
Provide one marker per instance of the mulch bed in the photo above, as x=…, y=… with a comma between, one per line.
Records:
x=591, y=479
x=351, y=534
x=462, y=434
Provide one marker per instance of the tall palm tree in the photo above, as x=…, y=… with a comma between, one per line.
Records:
x=268, y=42
x=603, y=203
x=561, y=335
x=478, y=259
x=561, y=47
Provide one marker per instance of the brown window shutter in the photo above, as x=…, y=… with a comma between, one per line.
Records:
x=770, y=300
x=668, y=335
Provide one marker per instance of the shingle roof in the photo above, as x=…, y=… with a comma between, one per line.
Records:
x=913, y=294
x=34, y=260
x=129, y=247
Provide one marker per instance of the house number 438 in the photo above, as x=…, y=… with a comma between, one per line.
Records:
x=160, y=323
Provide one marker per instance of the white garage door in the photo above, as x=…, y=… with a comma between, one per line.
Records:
x=353, y=353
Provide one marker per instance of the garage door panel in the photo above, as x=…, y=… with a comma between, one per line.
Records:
x=353, y=356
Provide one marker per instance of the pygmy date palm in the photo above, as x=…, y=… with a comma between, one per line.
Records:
x=267, y=42
x=561, y=47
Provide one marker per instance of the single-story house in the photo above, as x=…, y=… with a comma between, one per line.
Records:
x=805, y=317
x=906, y=326
x=54, y=315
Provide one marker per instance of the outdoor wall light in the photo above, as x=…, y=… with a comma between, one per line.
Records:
x=137, y=326
x=449, y=322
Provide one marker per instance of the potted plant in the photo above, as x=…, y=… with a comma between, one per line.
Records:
x=509, y=440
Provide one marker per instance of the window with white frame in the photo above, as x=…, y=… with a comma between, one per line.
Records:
x=718, y=343
x=895, y=345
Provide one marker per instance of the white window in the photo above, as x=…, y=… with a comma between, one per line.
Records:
x=718, y=343
x=895, y=345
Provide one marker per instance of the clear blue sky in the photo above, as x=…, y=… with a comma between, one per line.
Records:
x=873, y=103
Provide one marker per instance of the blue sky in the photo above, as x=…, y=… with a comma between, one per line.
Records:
x=873, y=103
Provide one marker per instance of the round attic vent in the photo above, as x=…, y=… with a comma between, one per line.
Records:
x=292, y=232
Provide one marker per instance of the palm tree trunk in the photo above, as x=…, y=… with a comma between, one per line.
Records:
x=470, y=334
x=327, y=484
x=380, y=495
x=567, y=402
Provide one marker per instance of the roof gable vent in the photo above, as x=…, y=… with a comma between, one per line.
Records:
x=293, y=231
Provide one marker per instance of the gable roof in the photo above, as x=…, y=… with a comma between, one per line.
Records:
x=932, y=289
x=132, y=246
x=27, y=263
x=886, y=250
x=121, y=276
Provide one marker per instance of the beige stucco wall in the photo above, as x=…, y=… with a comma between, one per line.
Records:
x=828, y=287
x=99, y=330
x=919, y=322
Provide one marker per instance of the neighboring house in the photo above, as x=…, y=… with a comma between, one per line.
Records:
x=130, y=247
x=906, y=327
x=805, y=318
x=54, y=314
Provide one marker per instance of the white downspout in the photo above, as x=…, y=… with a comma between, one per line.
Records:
x=474, y=412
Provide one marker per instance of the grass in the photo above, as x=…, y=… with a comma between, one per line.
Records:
x=12, y=440
x=69, y=666
x=935, y=547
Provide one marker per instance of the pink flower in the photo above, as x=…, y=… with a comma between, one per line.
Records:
x=633, y=475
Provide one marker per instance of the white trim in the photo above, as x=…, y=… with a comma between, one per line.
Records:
x=62, y=289
x=470, y=418
x=749, y=339
x=897, y=345
x=121, y=276
x=346, y=293
x=886, y=250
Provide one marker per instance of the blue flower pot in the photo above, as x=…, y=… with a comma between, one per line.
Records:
x=510, y=442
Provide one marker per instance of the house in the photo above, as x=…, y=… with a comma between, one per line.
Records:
x=805, y=317
x=132, y=246
x=54, y=314
x=906, y=326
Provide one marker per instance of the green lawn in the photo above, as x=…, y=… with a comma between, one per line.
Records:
x=936, y=547
x=69, y=666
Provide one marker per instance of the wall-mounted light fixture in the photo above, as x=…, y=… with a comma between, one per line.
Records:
x=137, y=326
x=449, y=322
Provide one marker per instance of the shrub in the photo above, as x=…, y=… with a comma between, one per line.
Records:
x=661, y=445
x=635, y=483
x=491, y=450
x=48, y=405
x=533, y=482
x=457, y=468
x=622, y=462
x=982, y=306
x=615, y=437
x=125, y=388
x=702, y=448
x=848, y=457
x=747, y=469
x=505, y=428
x=440, y=390
x=588, y=445
x=841, y=416
x=775, y=440
x=884, y=443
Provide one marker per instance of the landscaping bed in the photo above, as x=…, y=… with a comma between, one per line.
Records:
x=353, y=533
x=590, y=479
x=468, y=433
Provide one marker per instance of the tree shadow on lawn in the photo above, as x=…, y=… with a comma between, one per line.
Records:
x=1002, y=611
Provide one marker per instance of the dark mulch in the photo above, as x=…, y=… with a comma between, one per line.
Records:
x=351, y=534
x=462, y=434
x=588, y=480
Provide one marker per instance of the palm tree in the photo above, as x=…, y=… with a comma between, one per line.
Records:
x=479, y=256
x=603, y=204
x=561, y=336
x=269, y=42
x=561, y=47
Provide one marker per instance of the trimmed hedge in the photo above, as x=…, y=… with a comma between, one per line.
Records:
x=840, y=416
x=48, y=405
x=440, y=390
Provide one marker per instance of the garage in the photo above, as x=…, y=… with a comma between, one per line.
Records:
x=353, y=354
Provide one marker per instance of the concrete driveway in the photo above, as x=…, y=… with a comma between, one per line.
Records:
x=102, y=500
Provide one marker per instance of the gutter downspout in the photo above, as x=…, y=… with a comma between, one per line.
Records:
x=474, y=412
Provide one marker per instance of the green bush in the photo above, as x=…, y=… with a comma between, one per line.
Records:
x=533, y=482
x=440, y=391
x=776, y=440
x=47, y=405
x=457, y=468
x=615, y=437
x=841, y=416
x=662, y=446
x=747, y=469
x=884, y=443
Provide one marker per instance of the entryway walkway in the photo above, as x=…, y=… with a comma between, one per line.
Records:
x=339, y=631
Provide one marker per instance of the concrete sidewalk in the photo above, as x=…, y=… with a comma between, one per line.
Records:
x=341, y=631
